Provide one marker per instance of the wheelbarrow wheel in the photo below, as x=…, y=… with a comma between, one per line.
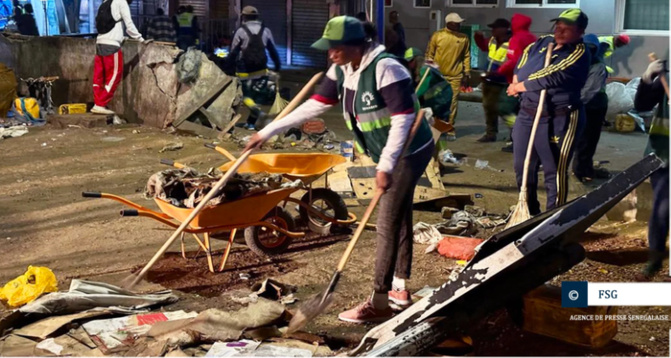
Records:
x=328, y=203
x=267, y=242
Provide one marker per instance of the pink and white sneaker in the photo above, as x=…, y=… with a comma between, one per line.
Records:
x=400, y=300
x=365, y=312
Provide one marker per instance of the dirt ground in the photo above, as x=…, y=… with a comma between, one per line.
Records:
x=45, y=221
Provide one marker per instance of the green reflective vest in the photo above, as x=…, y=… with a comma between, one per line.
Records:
x=435, y=92
x=373, y=116
x=497, y=55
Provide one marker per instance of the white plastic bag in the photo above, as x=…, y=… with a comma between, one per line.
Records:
x=632, y=87
x=619, y=101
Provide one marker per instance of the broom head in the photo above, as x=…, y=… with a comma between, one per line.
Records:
x=521, y=212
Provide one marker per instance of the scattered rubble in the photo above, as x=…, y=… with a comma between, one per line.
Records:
x=187, y=187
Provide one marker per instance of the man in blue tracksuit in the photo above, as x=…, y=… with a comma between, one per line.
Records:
x=563, y=116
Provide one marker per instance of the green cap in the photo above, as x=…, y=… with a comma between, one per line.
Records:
x=573, y=17
x=411, y=53
x=341, y=30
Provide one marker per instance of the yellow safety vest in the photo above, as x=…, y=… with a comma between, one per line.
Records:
x=185, y=19
x=610, y=41
x=497, y=55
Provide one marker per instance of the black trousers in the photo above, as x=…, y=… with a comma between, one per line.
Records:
x=394, y=221
x=585, y=147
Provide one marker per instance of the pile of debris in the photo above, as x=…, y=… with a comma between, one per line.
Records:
x=96, y=319
x=186, y=187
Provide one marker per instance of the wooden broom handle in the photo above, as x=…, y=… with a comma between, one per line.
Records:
x=532, y=135
x=299, y=97
x=376, y=198
x=653, y=57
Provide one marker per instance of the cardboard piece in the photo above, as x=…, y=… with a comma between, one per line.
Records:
x=340, y=182
x=116, y=334
x=17, y=346
x=44, y=328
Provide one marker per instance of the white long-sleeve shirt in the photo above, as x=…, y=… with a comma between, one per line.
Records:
x=389, y=75
x=121, y=14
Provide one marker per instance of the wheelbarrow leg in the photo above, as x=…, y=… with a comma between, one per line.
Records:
x=201, y=246
x=183, y=248
x=208, y=251
x=228, y=250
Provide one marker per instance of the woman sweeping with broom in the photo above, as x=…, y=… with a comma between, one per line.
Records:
x=380, y=107
x=559, y=121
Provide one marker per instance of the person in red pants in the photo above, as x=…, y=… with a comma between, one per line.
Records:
x=108, y=63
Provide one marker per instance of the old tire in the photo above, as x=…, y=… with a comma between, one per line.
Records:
x=267, y=242
x=329, y=203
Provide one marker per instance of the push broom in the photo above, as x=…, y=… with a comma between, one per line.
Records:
x=521, y=212
x=132, y=280
x=317, y=304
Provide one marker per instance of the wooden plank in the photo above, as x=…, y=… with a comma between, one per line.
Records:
x=230, y=125
x=216, y=90
x=433, y=174
x=199, y=130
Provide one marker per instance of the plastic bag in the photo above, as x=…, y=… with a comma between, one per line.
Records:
x=632, y=87
x=619, y=101
x=29, y=286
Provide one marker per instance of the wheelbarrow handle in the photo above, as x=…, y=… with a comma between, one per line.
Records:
x=92, y=194
x=129, y=212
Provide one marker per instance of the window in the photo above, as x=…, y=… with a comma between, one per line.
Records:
x=544, y=3
x=650, y=17
x=472, y=3
x=422, y=3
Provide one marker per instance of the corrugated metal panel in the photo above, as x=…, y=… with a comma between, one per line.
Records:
x=273, y=13
x=219, y=9
x=308, y=20
x=201, y=8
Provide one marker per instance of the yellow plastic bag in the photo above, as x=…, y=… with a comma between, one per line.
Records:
x=29, y=286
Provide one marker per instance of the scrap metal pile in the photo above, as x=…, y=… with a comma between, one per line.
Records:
x=186, y=187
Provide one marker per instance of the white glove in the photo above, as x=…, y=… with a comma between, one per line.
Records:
x=654, y=69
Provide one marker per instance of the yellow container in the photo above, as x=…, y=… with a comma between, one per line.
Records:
x=72, y=108
x=544, y=315
x=625, y=123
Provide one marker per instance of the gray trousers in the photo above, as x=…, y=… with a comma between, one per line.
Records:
x=394, y=221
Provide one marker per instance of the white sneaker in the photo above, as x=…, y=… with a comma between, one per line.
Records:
x=101, y=110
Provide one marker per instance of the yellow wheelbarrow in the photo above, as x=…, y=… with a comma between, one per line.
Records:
x=268, y=227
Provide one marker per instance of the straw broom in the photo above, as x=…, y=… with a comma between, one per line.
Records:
x=521, y=212
x=280, y=103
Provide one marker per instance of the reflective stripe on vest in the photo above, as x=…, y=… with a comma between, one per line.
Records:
x=497, y=55
x=185, y=19
x=610, y=40
x=659, y=126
